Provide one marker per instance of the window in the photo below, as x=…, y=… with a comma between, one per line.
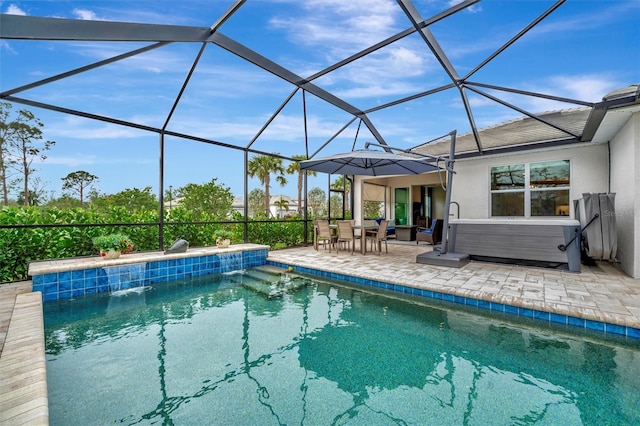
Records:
x=534, y=189
x=401, y=207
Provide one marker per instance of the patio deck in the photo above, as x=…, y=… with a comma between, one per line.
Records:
x=601, y=293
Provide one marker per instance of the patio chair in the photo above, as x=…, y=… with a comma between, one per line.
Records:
x=345, y=234
x=378, y=236
x=431, y=235
x=323, y=234
x=359, y=233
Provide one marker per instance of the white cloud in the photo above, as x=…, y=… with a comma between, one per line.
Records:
x=6, y=47
x=12, y=9
x=85, y=15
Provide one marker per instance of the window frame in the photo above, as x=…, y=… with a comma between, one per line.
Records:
x=527, y=190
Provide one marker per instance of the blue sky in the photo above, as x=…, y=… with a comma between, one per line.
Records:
x=583, y=50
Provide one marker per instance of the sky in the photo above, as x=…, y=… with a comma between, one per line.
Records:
x=581, y=51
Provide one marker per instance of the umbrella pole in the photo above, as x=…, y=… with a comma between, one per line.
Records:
x=447, y=206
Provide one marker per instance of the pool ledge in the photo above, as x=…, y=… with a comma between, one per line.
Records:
x=23, y=373
x=575, y=318
x=42, y=267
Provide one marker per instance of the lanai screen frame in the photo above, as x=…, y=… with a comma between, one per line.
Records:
x=15, y=27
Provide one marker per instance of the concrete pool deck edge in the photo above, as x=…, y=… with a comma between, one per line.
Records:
x=23, y=372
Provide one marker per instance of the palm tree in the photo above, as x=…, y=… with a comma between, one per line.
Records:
x=342, y=183
x=293, y=168
x=282, y=204
x=261, y=166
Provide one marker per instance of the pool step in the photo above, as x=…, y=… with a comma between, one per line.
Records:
x=271, y=282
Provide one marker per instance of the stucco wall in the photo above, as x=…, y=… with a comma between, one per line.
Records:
x=589, y=173
x=625, y=182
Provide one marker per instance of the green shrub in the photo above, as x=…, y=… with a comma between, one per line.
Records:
x=19, y=246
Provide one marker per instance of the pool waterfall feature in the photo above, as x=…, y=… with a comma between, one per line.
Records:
x=123, y=277
x=75, y=277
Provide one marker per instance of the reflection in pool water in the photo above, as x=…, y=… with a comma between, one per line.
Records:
x=216, y=351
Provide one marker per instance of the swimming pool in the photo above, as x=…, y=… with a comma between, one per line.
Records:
x=230, y=349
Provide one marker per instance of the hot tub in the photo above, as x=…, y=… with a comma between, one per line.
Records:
x=553, y=241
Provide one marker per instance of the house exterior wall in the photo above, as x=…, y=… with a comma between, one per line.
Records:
x=589, y=173
x=625, y=182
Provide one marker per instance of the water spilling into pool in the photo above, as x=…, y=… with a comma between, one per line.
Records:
x=230, y=262
x=122, y=277
x=218, y=350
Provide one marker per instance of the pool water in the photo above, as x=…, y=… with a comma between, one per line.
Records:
x=263, y=347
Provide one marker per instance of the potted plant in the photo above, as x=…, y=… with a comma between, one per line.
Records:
x=112, y=245
x=222, y=238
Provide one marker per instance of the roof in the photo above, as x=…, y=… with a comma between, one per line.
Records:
x=577, y=125
x=521, y=132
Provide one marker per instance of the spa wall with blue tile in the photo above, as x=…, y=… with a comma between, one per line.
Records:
x=582, y=323
x=68, y=284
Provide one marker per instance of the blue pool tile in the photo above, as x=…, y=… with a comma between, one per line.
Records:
x=633, y=332
x=77, y=284
x=90, y=273
x=484, y=304
x=50, y=288
x=49, y=296
x=541, y=315
x=76, y=275
x=526, y=312
x=558, y=318
x=577, y=322
x=37, y=280
x=64, y=286
x=460, y=299
x=594, y=325
x=615, y=329
x=448, y=297
x=470, y=301
x=498, y=307
x=427, y=293
x=64, y=276
x=50, y=278
x=78, y=292
x=510, y=309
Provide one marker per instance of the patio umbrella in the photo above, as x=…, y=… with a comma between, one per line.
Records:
x=370, y=163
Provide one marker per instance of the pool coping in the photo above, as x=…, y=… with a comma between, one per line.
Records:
x=41, y=267
x=23, y=371
x=531, y=310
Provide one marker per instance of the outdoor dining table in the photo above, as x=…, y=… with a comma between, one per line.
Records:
x=364, y=228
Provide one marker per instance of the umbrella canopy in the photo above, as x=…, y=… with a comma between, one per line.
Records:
x=369, y=163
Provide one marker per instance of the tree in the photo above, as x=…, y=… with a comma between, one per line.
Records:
x=282, y=204
x=293, y=168
x=206, y=199
x=19, y=146
x=78, y=182
x=342, y=184
x=6, y=131
x=64, y=202
x=317, y=201
x=133, y=200
x=256, y=201
x=261, y=166
x=37, y=194
x=32, y=199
